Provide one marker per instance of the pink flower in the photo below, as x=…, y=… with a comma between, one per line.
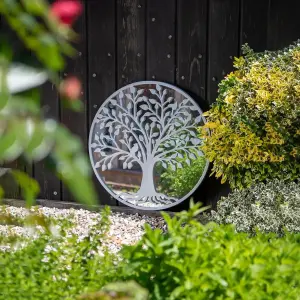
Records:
x=71, y=88
x=66, y=11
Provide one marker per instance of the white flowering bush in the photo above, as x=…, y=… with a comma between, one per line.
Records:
x=270, y=207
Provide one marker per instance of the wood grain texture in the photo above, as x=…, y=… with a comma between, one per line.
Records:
x=223, y=42
x=101, y=65
x=192, y=47
x=77, y=122
x=284, y=23
x=131, y=41
x=254, y=24
x=161, y=36
x=50, y=185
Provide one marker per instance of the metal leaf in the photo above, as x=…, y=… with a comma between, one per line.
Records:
x=165, y=165
x=192, y=156
x=124, y=165
x=158, y=87
x=152, y=101
x=126, y=120
x=193, y=108
x=200, y=153
x=128, y=96
x=156, y=134
x=198, y=119
x=188, y=161
x=144, y=107
x=180, y=155
x=109, y=166
x=129, y=106
x=98, y=150
x=141, y=138
x=97, y=164
x=130, y=165
x=105, y=110
x=113, y=102
x=195, y=141
x=94, y=145
x=140, y=92
x=121, y=95
x=104, y=168
x=122, y=157
x=132, y=89
x=179, y=165
x=152, y=91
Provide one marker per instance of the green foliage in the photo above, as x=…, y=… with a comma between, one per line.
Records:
x=34, y=38
x=195, y=261
x=254, y=125
x=180, y=182
x=53, y=265
x=119, y=291
x=271, y=207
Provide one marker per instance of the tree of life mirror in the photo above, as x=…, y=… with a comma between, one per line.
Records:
x=145, y=143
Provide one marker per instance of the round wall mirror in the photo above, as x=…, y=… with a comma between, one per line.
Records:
x=144, y=145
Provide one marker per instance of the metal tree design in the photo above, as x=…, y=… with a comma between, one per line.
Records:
x=147, y=126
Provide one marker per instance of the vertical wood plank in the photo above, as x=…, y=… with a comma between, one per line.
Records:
x=101, y=65
x=161, y=40
x=131, y=42
x=223, y=42
x=131, y=16
x=254, y=24
x=284, y=23
x=191, y=47
x=223, y=45
x=50, y=185
x=77, y=122
x=11, y=188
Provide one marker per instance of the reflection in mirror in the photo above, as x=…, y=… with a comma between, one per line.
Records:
x=145, y=145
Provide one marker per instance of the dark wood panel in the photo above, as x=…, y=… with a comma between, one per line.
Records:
x=284, y=23
x=50, y=185
x=131, y=42
x=131, y=16
x=77, y=122
x=161, y=40
x=254, y=23
x=223, y=39
x=191, y=47
x=101, y=65
x=223, y=45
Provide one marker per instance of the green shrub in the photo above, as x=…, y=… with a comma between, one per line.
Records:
x=271, y=207
x=34, y=47
x=180, y=182
x=55, y=266
x=254, y=125
x=213, y=262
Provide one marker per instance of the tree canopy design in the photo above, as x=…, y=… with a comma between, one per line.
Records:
x=147, y=126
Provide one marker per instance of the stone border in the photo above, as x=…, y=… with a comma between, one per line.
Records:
x=66, y=205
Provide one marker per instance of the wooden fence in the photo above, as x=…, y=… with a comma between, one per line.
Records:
x=189, y=43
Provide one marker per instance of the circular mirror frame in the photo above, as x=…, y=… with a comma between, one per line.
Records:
x=91, y=133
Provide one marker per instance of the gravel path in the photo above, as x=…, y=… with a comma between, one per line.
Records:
x=125, y=229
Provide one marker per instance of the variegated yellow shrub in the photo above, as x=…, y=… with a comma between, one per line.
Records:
x=254, y=126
